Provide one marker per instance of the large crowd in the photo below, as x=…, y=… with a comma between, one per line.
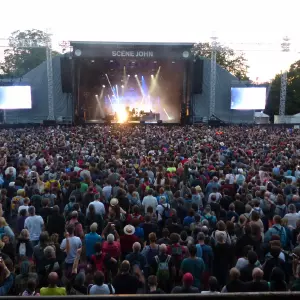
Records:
x=149, y=209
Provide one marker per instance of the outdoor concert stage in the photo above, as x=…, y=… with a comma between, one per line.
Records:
x=131, y=82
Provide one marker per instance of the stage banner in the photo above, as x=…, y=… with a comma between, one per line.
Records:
x=131, y=51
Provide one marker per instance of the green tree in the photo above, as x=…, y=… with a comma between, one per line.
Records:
x=227, y=58
x=26, y=51
x=292, y=93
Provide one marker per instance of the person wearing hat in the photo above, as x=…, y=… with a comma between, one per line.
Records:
x=128, y=239
x=187, y=285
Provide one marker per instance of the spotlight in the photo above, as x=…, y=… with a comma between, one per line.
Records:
x=96, y=95
x=111, y=61
x=173, y=62
x=155, y=62
x=152, y=75
x=128, y=75
x=92, y=61
x=135, y=75
x=103, y=86
x=122, y=86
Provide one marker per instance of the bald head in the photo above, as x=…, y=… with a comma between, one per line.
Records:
x=257, y=274
x=163, y=248
x=136, y=247
x=52, y=278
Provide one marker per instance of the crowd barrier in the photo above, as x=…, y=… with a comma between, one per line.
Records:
x=227, y=296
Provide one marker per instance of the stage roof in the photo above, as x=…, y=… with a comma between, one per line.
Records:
x=157, y=44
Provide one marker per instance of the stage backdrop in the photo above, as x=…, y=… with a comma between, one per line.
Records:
x=63, y=107
x=37, y=79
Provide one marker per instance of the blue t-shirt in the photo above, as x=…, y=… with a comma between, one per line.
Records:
x=139, y=232
x=195, y=267
x=75, y=244
x=90, y=240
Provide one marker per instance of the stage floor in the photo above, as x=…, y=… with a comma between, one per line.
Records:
x=128, y=122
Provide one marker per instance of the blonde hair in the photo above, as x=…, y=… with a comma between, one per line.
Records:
x=24, y=234
x=3, y=222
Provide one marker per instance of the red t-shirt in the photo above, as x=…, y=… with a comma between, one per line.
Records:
x=127, y=241
x=113, y=249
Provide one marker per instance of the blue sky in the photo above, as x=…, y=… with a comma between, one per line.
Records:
x=235, y=22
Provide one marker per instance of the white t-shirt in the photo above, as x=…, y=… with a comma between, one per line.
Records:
x=292, y=219
x=149, y=201
x=23, y=207
x=34, y=224
x=230, y=177
x=99, y=208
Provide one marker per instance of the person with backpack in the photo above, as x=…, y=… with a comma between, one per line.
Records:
x=163, y=210
x=24, y=246
x=194, y=265
x=276, y=229
x=150, y=251
x=240, y=178
x=208, y=215
x=205, y=252
x=164, y=269
x=69, y=207
x=77, y=226
x=177, y=252
x=135, y=258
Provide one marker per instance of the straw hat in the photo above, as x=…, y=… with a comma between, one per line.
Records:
x=129, y=230
x=114, y=202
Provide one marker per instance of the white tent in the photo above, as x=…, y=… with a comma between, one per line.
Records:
x=261, y=118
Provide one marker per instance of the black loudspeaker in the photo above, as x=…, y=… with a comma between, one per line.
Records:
x=142, y=122
x=198, y=76
x=49, y=122
x=159, y=122
x=215, y=123
x=66, y=74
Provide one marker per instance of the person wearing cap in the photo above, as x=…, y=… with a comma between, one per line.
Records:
x=187, y=285
x=98, y=205
x=91, y=239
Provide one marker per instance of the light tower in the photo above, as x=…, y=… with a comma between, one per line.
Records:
x=49, y=76
x=213, y=70
x=285, y=47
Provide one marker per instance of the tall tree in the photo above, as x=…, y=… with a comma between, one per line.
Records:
x=26, y=51
x=292, y=94
x=227, y=58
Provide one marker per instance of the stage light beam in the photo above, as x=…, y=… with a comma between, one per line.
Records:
x=169, y=118
x=103, y=86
